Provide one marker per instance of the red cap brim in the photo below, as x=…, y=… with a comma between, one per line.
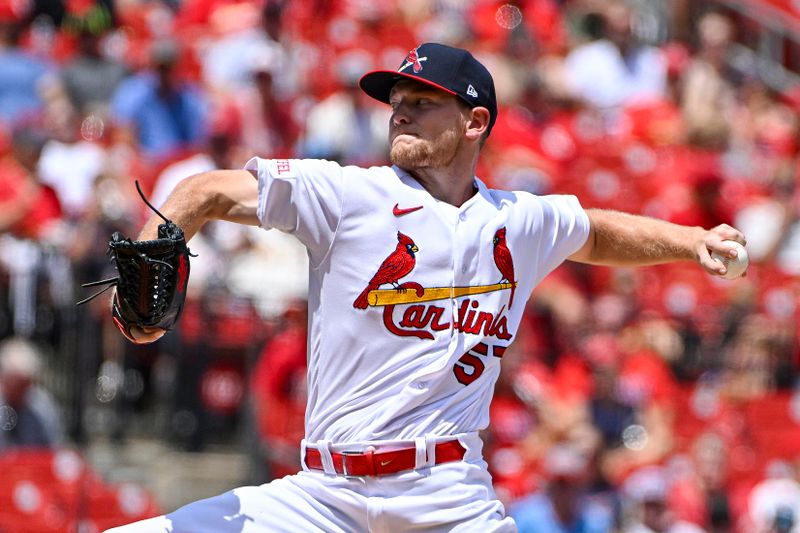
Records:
x=378, y=83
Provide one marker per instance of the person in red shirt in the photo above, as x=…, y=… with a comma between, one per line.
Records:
x=278, y=389
x=28, y=208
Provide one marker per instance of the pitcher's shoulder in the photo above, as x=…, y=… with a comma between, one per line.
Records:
x=502, y=198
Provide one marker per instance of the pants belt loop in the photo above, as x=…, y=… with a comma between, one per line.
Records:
x=422, y=453
x=303, y=447
x=430, y=444
x=370, y=453
x=323, y=446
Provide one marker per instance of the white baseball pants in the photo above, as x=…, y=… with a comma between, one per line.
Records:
x=452, y=497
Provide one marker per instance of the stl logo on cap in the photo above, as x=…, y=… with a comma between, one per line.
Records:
x=413, y=59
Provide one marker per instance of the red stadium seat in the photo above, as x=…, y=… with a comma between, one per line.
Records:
x=44, y=491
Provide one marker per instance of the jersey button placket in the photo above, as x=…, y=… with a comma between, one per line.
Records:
x=453, y=270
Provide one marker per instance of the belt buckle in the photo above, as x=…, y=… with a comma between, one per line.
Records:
x=345, y=455
x=368, y=452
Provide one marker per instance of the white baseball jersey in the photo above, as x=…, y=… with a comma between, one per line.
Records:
x=410, y=298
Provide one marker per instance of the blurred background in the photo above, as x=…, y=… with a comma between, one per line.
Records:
x=659, y=399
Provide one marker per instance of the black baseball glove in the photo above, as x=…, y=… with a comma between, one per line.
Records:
x=152, y=280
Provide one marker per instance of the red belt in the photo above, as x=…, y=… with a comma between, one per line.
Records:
x=373, y=463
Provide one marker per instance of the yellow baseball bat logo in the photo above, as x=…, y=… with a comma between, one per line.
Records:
x=409, y=295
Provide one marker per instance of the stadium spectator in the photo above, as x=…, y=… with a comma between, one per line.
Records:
x=774, y=502
x=28, y=209
x=279, y=393
x=90, y=78
x=28, y=414
x=156, y=111
x=266, y=121
x=215, y=154
x=239, y=39
x=708, y=95
x=69, y=163
x=563, y=505
x=21, y=73
x=647, y=493
x=359, y=137
x=615, y=69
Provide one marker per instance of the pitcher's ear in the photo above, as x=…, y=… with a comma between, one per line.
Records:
x=479, y=118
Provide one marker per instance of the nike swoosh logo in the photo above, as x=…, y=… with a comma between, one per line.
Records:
x=398, y=211
x=384, y=463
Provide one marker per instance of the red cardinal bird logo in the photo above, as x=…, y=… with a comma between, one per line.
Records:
x=504, y=262
x=414, y=59
x=397, y=265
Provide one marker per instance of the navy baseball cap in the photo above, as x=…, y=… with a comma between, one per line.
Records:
x=452, y=70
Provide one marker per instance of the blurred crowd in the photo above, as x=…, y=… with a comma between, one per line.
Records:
x=649, y=400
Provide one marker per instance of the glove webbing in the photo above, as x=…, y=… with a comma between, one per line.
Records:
x=162, y=285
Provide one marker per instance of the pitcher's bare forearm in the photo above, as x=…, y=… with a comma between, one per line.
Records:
x=217, y=195
x=622, y=239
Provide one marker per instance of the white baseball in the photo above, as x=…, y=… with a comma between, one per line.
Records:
x=736, y=265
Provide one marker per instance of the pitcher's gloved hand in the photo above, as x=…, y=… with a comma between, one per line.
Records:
x=152, y=280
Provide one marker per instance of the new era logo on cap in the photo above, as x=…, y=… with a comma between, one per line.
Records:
x=450, y=69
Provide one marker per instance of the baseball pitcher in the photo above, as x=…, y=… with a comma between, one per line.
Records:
x=418, y=279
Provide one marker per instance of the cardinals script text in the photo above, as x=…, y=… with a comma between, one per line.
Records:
x=419, y=320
